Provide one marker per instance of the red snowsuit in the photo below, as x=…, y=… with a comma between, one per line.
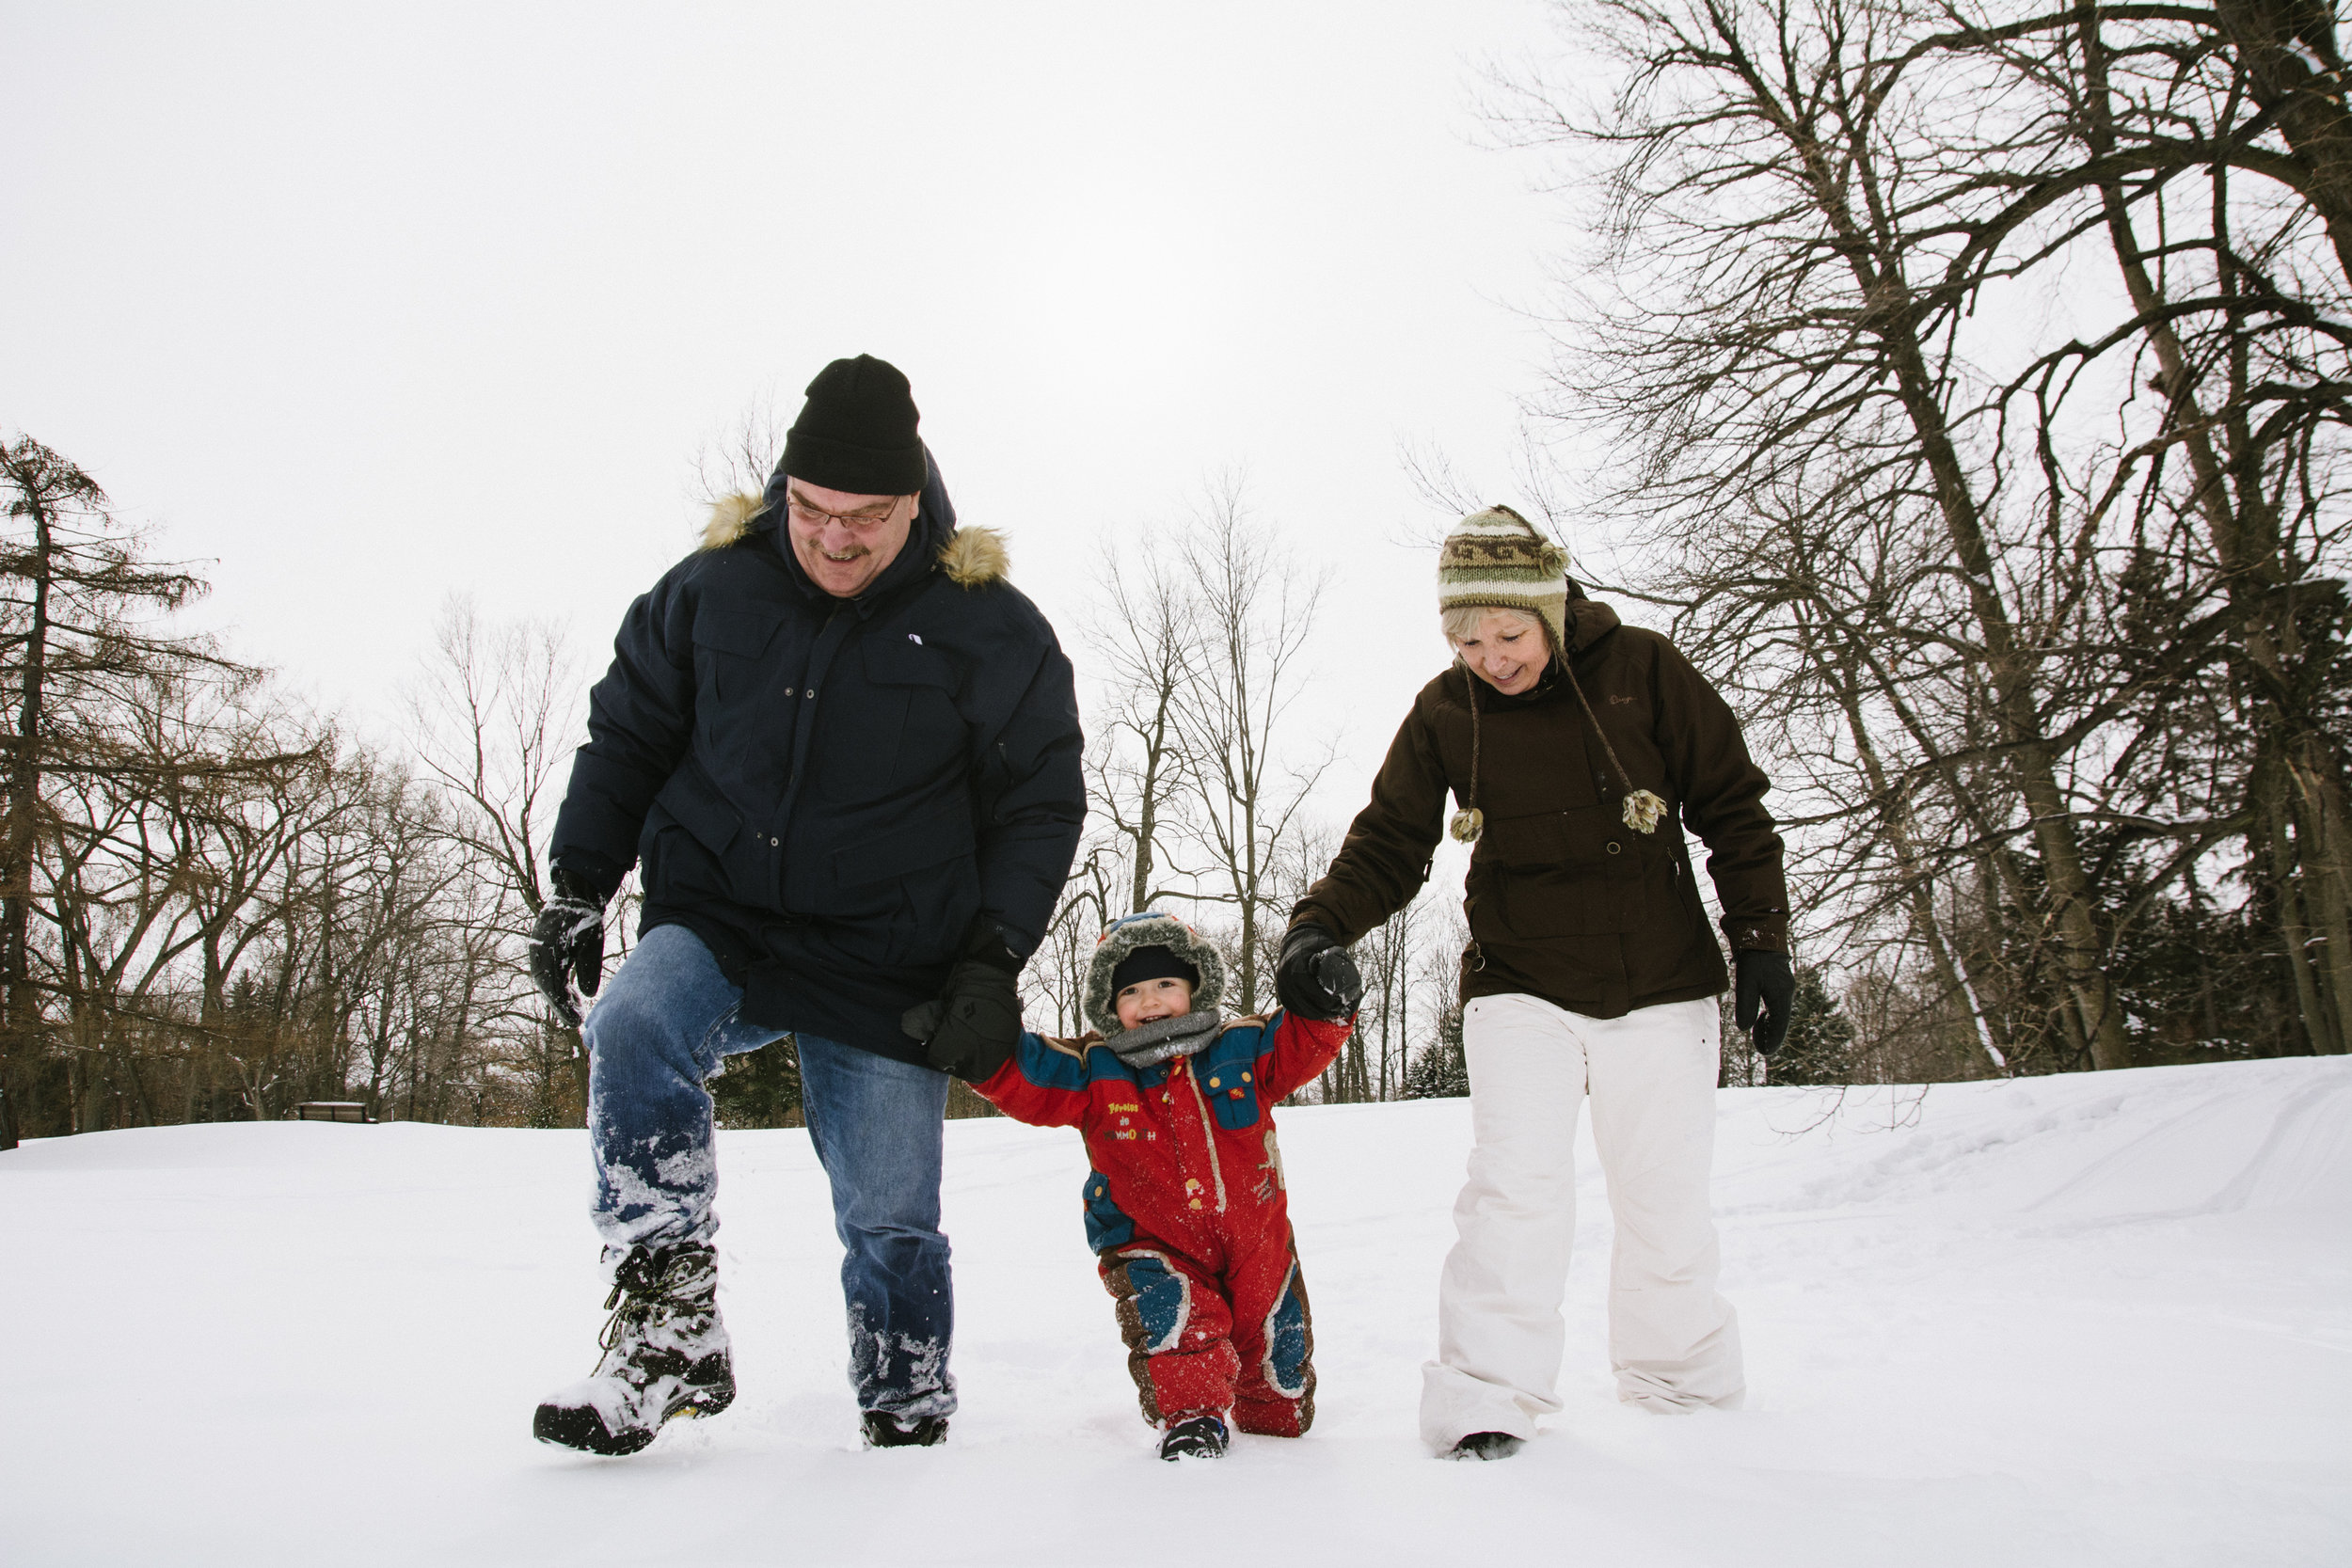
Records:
x=1187, y=1212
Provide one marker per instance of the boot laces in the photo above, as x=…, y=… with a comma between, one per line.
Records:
x=651, y=1284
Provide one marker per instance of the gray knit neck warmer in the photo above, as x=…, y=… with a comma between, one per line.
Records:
x=1149, y=1044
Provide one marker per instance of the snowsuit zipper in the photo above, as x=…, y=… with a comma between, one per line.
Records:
x=1208, y=1131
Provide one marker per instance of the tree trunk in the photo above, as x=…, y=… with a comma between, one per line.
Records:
x=2243, y=528
x=1890, y=315
x=2320, y=844
x=2278, y=42
x=2277, y=855
x=19, y=1009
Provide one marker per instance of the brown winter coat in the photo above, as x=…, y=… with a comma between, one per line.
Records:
x=1566, y=902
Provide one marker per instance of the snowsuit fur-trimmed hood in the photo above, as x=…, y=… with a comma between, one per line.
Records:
x=1151, y=928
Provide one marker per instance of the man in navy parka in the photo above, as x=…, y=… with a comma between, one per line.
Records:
x=843, y=753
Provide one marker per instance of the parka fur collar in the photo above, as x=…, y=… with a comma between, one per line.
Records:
x=972, y=557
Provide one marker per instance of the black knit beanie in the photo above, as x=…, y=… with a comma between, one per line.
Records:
x=856, y=431
x=1153, y=963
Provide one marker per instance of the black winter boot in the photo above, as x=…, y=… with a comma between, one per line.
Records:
x=1485, y=1445
x=885, y=1430
x=1202, y=1437
x=665, y=1354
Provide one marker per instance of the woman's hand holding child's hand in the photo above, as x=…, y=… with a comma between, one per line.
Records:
x=1315, y=977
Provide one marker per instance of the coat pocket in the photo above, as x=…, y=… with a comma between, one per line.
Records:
x=741, y=632
x=905, y=849
x=1231, y=1091
x=696, y=804
x=907, y=663
x=1229, y=1080
x=908, y=731
x=727, y=648
x=1108, y=1224
x=1557, y=874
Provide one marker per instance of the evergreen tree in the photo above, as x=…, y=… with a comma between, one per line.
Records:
x=1439, y=1069
x=758, y=1088
x=83, y=643
x=1819, y=1047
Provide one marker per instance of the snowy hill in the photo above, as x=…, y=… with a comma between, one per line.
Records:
x=2102, y=1318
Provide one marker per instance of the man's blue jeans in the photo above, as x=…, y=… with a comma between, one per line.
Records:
x=666, y=1019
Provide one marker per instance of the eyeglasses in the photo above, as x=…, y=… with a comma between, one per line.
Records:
x=810, y=516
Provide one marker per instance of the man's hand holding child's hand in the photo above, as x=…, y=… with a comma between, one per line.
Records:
x=975, y=1026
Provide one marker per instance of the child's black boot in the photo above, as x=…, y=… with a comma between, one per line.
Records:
x=1200, y=1437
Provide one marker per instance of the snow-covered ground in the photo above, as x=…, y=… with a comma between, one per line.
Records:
x=2100, y=1319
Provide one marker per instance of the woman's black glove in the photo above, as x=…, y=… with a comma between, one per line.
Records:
x=975, y=1026
x=1314, y=977
x=567, y=942
x=1764, y=976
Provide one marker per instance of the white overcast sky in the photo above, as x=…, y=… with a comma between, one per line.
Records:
x=362, y=306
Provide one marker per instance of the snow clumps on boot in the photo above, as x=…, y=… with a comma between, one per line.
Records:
x=666, y=1353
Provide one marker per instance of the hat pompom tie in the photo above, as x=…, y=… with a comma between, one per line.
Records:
x=1644, y=811
x=1468, y=825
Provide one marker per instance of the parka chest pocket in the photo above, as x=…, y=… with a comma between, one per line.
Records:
x=903, y=662
x=906, y=726
x=737, y=638
x=1231, y=1091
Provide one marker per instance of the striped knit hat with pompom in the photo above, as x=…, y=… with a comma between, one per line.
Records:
x=1495, y=559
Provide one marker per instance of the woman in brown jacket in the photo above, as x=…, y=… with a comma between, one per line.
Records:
x=1577, y=749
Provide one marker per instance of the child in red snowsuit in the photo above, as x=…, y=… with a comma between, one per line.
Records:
x=1184, y=1207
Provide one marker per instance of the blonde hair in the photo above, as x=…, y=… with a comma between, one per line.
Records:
x=1462, y=621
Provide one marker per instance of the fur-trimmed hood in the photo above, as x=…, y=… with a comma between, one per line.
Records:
x=1151, y=928
x=971, y=557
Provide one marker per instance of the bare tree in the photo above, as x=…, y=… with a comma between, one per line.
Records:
x=493, y=722
x=1145, y=638
x=1382, y=1043
x=1247, y=773
x=1953, y=568
x=740, y=462
x=1056, y=971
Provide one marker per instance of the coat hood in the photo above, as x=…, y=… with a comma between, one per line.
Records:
x=971, y=557
x=1589, y=620
x=1150, y=928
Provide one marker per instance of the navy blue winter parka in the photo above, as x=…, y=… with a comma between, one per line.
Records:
x=825, y=790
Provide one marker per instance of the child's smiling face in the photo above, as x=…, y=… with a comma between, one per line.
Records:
x=1146, y=1000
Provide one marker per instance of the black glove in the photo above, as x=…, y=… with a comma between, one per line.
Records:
x=1763, y=976
x=567, y=942
x=1314, y=977
x=975, y=1026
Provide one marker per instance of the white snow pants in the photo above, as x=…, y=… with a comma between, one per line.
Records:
x=1674, y=1342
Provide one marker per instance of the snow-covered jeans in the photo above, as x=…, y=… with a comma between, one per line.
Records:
x=664, y=1021
x=1651, y=1076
